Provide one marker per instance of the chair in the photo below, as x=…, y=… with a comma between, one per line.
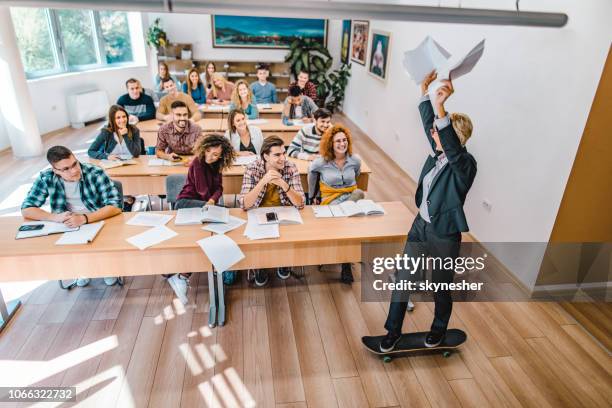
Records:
x=174, y=184
x=120, y=281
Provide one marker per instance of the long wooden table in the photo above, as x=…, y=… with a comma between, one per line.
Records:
x=317, y=241
x=221, y=111
x=272, y=126
x=144, y=179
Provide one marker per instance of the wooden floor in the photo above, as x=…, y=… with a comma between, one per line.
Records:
x=292, y=344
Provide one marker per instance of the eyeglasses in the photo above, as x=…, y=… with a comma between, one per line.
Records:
x=69, y=168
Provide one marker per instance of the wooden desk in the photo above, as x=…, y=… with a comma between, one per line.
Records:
x=151, y=180
x=149, y=128
x=317, y=241
x=213, y=111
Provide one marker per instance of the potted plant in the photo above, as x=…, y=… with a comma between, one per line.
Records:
x=311, y=56
x=335, y=86
x=156, y=36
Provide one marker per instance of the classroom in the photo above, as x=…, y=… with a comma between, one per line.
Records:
x=324, y=203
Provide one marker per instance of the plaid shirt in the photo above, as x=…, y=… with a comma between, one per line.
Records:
x=255, y=172
x=310, y=90
x=171, y=141
x=97, y=190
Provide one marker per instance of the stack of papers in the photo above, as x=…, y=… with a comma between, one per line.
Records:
x=222, y=251
x=84, y=235
x=256, y=121
x=245, y=160
x=255, y=231
x=221, y=228
x=348, y=209
x=162, y=162
x=146, y=219
x=278, y=215
x=109, y=164
x=48, y=228
x=200, y=215
x=151, y=237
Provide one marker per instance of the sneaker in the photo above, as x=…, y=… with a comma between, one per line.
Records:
x=283, y=273
x=110, y=281
x=433, y=339
x=83, y=282
x=261, y=277
x=388, y=342
x=346, y=276
x=229, y=277
x=410, y=306
x=179, y=286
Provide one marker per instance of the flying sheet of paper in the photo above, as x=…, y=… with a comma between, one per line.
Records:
x=151, y=237
x=221, y=228
x=222, y=251
x=85, y=234
x=145, y=219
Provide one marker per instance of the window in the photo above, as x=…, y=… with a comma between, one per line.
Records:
x=55, y=41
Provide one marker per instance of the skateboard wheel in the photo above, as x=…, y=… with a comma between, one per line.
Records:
x=387, y=359
x=446, y=354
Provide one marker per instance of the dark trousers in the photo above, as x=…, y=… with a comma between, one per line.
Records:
x=423, y=240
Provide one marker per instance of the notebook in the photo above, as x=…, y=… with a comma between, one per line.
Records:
x=278, y=215
x=48, y=228
x=348, y=209
x=84, y=235
x=263, y=106
x=163, y=162
x=110, y=164
x=200, y=215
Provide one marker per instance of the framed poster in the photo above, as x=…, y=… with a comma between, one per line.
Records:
x=379, y=54
x=264, y=32
x=359, y=42
x=346, y=41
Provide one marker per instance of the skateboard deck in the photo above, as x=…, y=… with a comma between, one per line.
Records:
x=413, y=343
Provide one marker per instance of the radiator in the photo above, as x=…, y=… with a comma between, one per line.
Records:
x=87, y=106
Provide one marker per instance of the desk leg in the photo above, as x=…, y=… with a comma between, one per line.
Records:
x=221, y=293
x=7, y=311
x=212, y=294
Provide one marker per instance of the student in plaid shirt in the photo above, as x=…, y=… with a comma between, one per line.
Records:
x=271, y=181
x=79, y=193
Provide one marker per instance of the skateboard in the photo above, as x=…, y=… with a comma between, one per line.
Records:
x=413, y=343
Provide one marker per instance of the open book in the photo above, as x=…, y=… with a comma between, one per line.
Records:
x=348, y=209
x=278, y=215
x=85, y=234
x=200, y=215
x=109, y=164
x=33, y=229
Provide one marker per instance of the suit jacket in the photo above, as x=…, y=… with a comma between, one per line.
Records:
x=451, y=185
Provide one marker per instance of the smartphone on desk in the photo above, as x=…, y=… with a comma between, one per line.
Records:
x=271, y=217
x=34, y=227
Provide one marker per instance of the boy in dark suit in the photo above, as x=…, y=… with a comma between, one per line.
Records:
x=445, y=180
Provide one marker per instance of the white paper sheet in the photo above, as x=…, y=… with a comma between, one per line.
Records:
x=222, y=251
x=49, y=228
x=84, y=235
x=146, y=219
x=162, y=162
x=257, y=121
x=220, y=228
x=255, y=231
x=262, y=106
x=244, y=160
x=322, y=211
x=151, y=237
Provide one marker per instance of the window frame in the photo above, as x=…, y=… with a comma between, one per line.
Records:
x=61, y=56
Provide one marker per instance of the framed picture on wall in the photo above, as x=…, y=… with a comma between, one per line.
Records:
x=264, y=32
x=346, y=41
x=379, y=54
x=359, y=42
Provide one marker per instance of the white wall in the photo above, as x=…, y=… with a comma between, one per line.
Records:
x=4, y=139
x=528, y=97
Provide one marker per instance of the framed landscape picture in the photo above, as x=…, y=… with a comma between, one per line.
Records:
x=346, y=41
x=359, y=42
x=379, y=54
x=264, y=32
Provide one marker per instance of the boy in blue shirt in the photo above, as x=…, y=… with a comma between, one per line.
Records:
x=264, y=91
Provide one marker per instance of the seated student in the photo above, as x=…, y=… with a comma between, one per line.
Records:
x=305, y=144
x=220, y=93
x=308, y=88
x=203, y=186
x=242, y=97
x=271, y=181
x=179, y=136
x=118, y=140
x=335, y=175
x=138, y=105
x=164, y=111
x=211, y=68
x=79, y=193
x=194, y=87
x=298, y=106
x=163, y=73
x=264, y=91
x=245, y=139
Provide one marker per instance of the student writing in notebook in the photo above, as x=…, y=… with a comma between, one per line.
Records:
x=298, y=106
x=305, y=144
x=79, y=193
x=203, y=186
x=242, y=98
x=245, y=139
x=271, y=181
x=264, y=91
x=177, y=137
x=164, y=111
x=334, y=175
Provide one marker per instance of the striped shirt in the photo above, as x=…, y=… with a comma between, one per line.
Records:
x=305, y=143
